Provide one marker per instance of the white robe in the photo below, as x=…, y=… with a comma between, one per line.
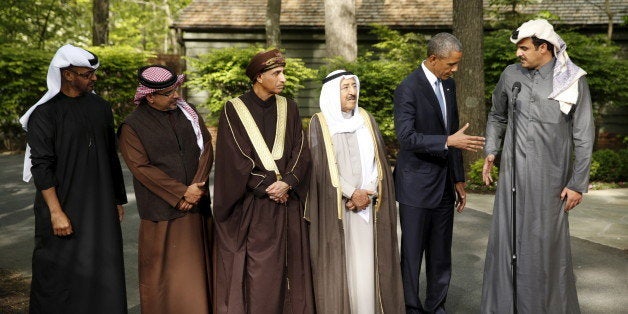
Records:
x=359, y=239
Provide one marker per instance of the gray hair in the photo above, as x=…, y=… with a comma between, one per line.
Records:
x=442, y=44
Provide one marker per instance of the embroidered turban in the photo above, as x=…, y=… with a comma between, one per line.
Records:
x=263, y=62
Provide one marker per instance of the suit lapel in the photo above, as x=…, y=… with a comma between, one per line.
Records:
x=428, y=91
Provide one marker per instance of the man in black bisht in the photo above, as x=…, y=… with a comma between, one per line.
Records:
x=77, y=262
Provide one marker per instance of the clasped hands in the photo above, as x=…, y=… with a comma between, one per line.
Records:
x=359, y=200
x=191, y=197
x=278, y=192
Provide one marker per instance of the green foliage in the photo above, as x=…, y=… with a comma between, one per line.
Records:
x=608, y=166
x=380, y=70
x=606, y=70
x=394, y=46
x=23, y=73
x=22, y=82
x=474, y=177
x=623, y=164
x=48, y=24
x=222, y=73
x=45, y=24
x=117, y=77
x=499, y=52
x=144, y=24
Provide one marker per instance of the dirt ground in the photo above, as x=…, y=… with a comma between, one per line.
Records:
x=14, y=290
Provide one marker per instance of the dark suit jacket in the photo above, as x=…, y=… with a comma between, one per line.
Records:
x=423, y=163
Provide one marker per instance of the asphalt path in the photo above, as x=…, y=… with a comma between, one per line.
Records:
x=601, y=270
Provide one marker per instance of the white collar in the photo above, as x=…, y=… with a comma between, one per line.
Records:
x=429, y=75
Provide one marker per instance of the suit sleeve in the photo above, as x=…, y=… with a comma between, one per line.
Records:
x=406, y=104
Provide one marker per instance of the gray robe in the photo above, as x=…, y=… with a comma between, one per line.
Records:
x=553, y=151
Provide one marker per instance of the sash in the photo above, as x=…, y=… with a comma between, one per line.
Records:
x=265, y=155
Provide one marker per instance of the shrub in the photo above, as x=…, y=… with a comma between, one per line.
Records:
x=22, y=83
x=474, y=177
x=623, y=164
x=609, y=166
x=221, y=73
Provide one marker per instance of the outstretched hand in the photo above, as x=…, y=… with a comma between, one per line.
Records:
x=464, y=141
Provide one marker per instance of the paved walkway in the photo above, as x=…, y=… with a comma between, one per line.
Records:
x=599, y=229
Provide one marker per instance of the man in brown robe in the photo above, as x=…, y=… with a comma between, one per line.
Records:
x=261, y=248
x=351, y=207
x=168, y=149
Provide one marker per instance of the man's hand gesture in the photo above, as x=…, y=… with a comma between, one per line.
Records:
x=463, y=141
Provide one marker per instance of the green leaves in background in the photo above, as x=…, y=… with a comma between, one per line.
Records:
x=221, y=73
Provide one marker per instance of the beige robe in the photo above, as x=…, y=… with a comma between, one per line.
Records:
x=334, y=251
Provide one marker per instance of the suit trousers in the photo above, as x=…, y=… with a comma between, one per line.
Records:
x=427, y=230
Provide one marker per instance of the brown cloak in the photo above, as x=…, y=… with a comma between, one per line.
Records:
x=261, y=253
x=327, y=234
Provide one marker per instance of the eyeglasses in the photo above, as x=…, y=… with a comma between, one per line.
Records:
x=87, y=75
x=169, y=93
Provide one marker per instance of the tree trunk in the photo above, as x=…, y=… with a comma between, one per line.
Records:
x=100, y=23
x=273, y=30
x=170, y=45
x=468, y=27
x=341, y=34
x=609, y=13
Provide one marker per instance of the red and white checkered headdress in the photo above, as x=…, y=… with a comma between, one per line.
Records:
x=154, y=78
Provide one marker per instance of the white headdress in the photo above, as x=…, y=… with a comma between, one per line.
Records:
x=566, y=73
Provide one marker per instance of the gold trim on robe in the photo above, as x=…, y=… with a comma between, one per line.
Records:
x=333, y=164
x=252, y=130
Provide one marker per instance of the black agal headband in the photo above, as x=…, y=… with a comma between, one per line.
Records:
x=329, y=78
